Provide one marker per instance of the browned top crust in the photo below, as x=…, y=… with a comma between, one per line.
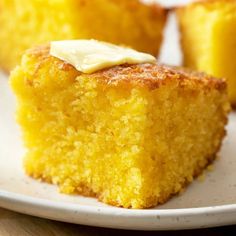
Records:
x=146, y=74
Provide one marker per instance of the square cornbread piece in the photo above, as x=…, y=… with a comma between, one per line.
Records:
x=131, y=135
x=208, y=35
x=25, y=23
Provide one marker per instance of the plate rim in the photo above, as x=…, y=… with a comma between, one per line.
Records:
x=149, y=219
x=148, y=212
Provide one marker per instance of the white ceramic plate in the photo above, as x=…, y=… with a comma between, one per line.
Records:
x=204, y=204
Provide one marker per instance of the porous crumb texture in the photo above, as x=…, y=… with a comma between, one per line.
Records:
x=25, y=23
x=130, y=135
x=208, y=35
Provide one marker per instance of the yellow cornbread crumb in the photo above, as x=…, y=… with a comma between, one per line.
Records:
x=26, y=23
x=131, y=135
x=208, y=36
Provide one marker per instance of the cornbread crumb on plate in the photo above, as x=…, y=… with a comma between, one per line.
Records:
x=208, y=32
x=130, y=135
x=26, y=23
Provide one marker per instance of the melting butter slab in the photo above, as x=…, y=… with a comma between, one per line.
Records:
x=89, y=56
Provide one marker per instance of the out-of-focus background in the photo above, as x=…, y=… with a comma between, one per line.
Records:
x=170, y=52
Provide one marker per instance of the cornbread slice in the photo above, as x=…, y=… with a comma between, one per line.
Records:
x=208, y=31
x=131, y=135
x=25, y=23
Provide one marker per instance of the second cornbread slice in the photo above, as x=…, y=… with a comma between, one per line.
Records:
x=26, y=23
x=208, y=36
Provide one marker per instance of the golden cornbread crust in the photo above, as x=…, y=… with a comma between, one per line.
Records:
x=130, y=135
x=130, y=23
x=146, y=74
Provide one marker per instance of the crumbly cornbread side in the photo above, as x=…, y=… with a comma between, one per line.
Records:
x=26, y=23
x=208, y=30
x=131, y=135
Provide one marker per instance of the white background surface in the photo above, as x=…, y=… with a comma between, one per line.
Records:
x=170, y=52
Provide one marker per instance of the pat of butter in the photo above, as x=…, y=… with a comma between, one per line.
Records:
x=89, y=56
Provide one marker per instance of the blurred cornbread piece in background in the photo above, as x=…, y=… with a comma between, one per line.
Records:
x=131, y=135
x=25, y=23
x=208, y=36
